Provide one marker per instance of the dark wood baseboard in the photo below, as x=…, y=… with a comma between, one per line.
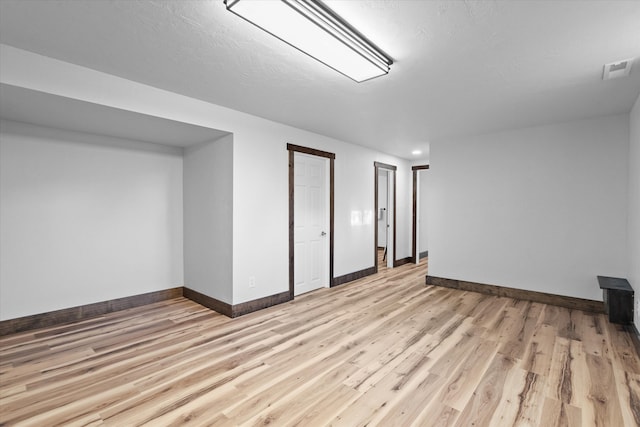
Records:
x=401, y=261
x=75, y=314
x=552, y=299
x=260, y=303
x=424, y=254
x=209, y=302
x=353, y=276
x=236, y=310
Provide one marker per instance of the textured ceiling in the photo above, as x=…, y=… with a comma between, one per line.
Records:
x=459, y=67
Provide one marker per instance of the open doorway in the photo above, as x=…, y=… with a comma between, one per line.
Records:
x=420, y=246
x=385, y=203
x=383, y=218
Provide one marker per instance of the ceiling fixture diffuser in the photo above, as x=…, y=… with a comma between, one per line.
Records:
x=314, y=29
x=617, y=69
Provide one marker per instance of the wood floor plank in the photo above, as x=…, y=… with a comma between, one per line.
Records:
x=378, y=399
x=603, y=392
x=556, y=413
x=539, y=352
x=312, y=393
x=622, y=348
x=440, y=416
x=628, y=388
x=383, y=350
x=523, y=409
x=460, y=383
x=327, y=408
x=520, y=340
x=559, y=384
x=417, y=408
x=204, y=410
x=590, y=327
x=484, y=402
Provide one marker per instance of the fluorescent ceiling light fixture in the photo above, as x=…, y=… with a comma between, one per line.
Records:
x=311, y=27
x=416, y=152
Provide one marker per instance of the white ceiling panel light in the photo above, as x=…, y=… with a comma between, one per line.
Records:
x=311, y=27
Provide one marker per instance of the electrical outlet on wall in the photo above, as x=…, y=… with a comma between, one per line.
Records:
x=252, y=281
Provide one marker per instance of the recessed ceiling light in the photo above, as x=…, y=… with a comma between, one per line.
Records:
x=617, y=69
x=416, y=152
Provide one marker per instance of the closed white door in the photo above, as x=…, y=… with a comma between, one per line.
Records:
x=311, y=234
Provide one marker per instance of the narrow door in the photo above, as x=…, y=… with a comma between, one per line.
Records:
x=310, y=221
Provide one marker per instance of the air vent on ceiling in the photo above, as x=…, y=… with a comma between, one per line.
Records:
x=617, y=69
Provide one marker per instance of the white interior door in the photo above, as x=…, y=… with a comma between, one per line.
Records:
x=311, y=234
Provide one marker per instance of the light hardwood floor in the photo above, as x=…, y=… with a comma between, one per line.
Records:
x=385, y=350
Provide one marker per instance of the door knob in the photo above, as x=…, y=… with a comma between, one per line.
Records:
x=323, y=234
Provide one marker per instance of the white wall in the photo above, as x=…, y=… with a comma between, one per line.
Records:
x=541, y=208
x=633, y=216
x=261, y=205
x=423, y=221
x=382, y=204
x=85, y=219
x=260, y=170
x=208, y=218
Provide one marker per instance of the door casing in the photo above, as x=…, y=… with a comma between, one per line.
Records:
x=392, y=170
x=414, y=234
x=292, y=148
